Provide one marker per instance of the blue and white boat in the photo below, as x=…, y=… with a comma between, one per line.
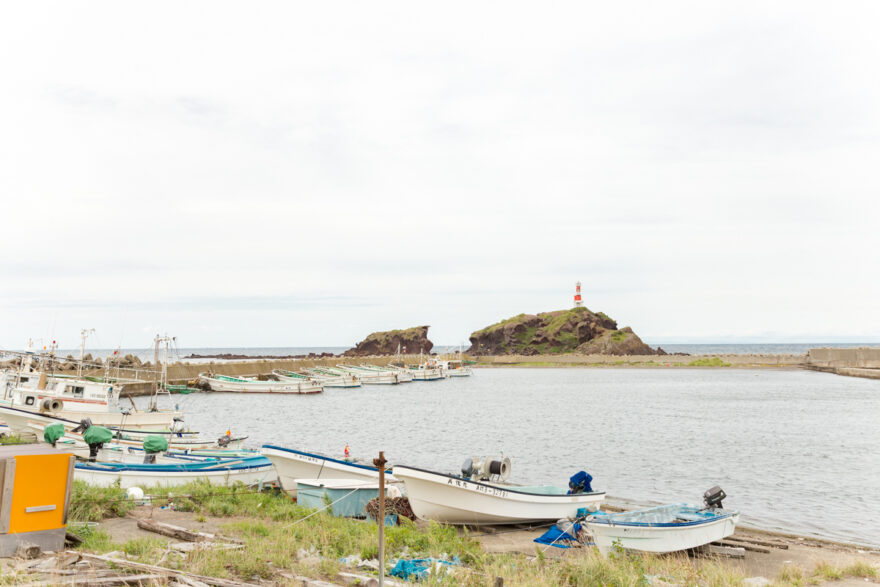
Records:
x=667, y=528
x=217, y=472
x=292, y=465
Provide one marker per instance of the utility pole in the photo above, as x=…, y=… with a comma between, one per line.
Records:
x=380, y=464
x=84, y=334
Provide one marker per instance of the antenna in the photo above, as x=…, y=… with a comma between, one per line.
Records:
x=84, y=334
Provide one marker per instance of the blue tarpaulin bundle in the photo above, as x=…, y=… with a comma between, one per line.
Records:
x=580, y=483
x=419, y=568
x=556, y=537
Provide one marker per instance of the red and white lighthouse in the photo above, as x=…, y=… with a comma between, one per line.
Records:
x=578, y=302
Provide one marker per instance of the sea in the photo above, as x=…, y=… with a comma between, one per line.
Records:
x=795, y=450
x=181, y=354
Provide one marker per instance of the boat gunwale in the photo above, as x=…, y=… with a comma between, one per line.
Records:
x=608, y=520
x=111, y=427
x=501, y=487
x=322, y=457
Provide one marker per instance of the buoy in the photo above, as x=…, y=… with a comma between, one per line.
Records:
x=135, y=494
x=346, y=451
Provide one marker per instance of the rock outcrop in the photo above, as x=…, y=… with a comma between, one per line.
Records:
x=565, y=331
x=412, y=341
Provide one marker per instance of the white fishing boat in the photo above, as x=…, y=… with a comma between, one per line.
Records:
x=371, y=376
x=134, y=438
x=248, y=471
x=334, y=378
x=294, y=464
x=41, y=392
x=463, y=500
x=455, y=368
x=247, y=385
x=325, y=381
x=429, y=370
x=667, y=528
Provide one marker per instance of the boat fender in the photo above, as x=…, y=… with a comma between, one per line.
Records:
x=51, y=405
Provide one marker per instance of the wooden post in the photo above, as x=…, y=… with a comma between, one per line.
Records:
x=380, y=464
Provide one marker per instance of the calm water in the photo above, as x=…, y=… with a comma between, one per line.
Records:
x=179, y=354
x=794, y=450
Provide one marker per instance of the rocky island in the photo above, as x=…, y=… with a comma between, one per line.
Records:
x=411, y=341
x=577, y=330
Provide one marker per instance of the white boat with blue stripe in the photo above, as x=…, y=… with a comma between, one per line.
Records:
x=292, y=465
x=667, y=528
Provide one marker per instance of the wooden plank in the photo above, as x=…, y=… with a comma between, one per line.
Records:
x=180, y=532
x=725, y=551
x=781, y=545
x=744, y=546
x=217, y=582
x=100, y=581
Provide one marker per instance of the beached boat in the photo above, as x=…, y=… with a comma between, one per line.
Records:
x=248, y=471
x=666, y=528
x=325, y=381
x=36, y=426
x=373, y=376
x=294, y=464
x=247, y=385
x=460, y=500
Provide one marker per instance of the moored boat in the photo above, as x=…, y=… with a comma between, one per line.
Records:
x=374, y=376
x=324, y=380
x=667, y=528
x=294, y=464
x=246, y=385
x=473, y=499
x=226, y=472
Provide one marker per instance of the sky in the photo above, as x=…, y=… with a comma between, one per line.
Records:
x=302, y=174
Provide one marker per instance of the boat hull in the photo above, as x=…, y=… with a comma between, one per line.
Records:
x=451, y=500
x=281, y=387
x=292, y=465
x=93, y=474
x=19, y=419
x=662, y=538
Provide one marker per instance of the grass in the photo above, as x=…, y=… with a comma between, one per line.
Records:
x=92, y=504
x=13, y=439
x=280, y=535
x=708, y=362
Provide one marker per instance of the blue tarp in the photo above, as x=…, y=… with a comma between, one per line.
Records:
x=556, y=537
x=419, y=568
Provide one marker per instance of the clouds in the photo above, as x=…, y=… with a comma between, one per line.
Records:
x=703, y=170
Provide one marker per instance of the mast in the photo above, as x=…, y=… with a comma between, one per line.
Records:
x=161, y=377
x=84, y=334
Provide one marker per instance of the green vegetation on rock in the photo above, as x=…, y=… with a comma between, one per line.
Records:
x=577, y=330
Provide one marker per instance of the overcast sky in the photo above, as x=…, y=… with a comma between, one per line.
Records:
x=274, y=174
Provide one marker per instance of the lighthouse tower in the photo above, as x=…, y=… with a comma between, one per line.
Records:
x=578, y=302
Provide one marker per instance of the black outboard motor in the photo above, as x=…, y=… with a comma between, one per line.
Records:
x=712, y=498
x=93, y=451
x=84, y=425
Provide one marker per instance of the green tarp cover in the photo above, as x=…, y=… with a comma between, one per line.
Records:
x=53, y=432
x=97, y=435
x=155, y=444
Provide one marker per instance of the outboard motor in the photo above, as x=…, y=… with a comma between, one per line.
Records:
x=467, y=468
x=177, y=426
x=712, y=498
x=84, y=425
x=580, y=483
x=154, y=445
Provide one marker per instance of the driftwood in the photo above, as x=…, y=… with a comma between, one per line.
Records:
x=167, y=572
x=102, y=581
x=181, y=533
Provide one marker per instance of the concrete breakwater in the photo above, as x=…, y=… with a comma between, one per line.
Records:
x=720, y=360
x=859, y=362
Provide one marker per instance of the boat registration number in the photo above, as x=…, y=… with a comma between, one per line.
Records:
x=478, y=488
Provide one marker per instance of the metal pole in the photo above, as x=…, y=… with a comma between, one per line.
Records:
x=380, y=464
